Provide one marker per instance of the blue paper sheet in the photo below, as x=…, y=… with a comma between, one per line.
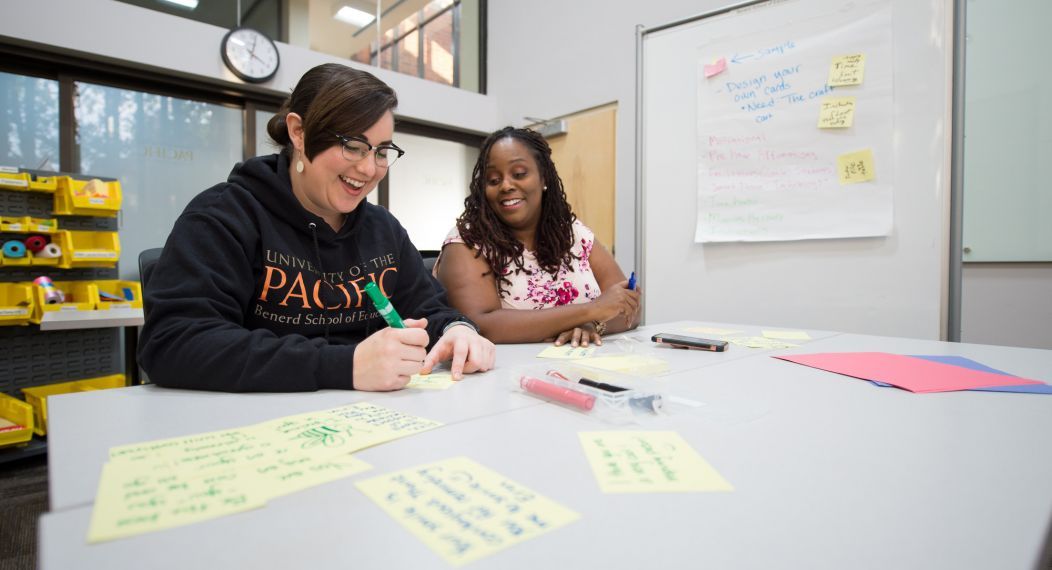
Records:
x=973, y=365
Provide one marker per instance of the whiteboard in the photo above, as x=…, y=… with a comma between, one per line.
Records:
x=894, y=284
x=1008, y=132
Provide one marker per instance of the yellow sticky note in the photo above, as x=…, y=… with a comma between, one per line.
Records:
x=787, y=335
x=433, y=381
x=628, y=364
x=648, y=462
x=760, y=342
x=133, y=501
x=847, y=70
x=566, y=351
x=856, y=167
x=464, y=511
x=291, y=474
x=713, y=331
x=836, y=113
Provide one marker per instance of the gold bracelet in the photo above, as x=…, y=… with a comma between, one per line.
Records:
x=600, y=327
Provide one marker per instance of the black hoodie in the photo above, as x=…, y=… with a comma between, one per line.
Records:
x=255, y=293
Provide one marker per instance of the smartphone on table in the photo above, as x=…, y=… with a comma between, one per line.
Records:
x=691, y=342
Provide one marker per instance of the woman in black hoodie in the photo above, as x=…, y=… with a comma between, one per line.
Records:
x=261, y=283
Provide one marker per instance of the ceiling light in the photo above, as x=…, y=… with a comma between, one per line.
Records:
x=188, y=4
x=354, y=16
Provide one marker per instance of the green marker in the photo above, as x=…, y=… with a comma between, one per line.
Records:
x=386, y=309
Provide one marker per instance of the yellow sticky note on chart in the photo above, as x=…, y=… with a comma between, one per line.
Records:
x=847, y=70
x=836, y=113
x=855, y=167
x=464, y=511
x=648, y=462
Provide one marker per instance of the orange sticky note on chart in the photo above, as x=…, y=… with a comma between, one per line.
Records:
x=715, y=68
x=855, y=167
x=847, y=70
x=836, y=113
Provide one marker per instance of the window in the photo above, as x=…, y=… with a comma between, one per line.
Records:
x=29, y=125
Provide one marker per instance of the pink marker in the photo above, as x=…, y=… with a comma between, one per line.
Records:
x=557, y=393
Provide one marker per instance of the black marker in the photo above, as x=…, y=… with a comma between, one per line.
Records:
x=601, y=386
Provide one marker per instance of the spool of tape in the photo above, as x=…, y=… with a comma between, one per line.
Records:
x=52, y=295
x=36, y=243
x=14, y=248
x=50, y=251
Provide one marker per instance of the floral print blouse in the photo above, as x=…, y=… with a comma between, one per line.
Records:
x=534, y=288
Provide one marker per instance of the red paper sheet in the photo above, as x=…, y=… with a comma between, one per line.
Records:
x=913, y=374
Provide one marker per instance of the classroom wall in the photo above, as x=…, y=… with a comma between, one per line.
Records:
x=120, y=31
x=1007, y=304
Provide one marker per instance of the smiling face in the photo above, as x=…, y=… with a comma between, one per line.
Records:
x=514, y=186
x=331, y=186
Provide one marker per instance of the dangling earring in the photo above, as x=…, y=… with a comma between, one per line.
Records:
x=299, y=166
x=545, y=187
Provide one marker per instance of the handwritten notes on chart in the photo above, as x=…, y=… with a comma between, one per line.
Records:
x=648, y=462
x=160, y=484
x=772, y=125
x=464, y=511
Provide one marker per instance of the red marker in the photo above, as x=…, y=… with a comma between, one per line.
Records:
x=558, y=393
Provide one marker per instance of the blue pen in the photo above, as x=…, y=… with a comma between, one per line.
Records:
x=632, y=282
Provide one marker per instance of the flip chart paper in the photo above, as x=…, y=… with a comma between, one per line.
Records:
x=648, y=462
x=787, y=335
x=913, y=374
x=716, y=68
x=847, y=70
x=464, y=511
x=567, y=352
x=855, y=167
x=433, y=381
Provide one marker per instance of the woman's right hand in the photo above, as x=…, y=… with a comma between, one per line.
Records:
x=617, y=300
x=386, y=359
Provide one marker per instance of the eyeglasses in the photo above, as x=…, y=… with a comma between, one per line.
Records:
x=356, y=148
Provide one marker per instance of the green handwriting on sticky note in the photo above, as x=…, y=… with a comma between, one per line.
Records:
x=433, y=381
x=836, y=113
x=291, y=474
x=135, y=499
x=787, y=335
x=847, y=70
x=566, y=351
x=648, y=462
x=462, y=510
x=855, y=167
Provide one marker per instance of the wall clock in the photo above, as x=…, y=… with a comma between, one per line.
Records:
x=250, y=54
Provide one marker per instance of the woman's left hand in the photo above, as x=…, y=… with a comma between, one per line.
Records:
x=580, y=335
x=470, y=352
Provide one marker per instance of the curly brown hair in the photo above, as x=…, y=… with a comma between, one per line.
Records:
x=480, y=228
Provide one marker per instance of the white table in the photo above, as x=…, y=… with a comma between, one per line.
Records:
x=829, y=472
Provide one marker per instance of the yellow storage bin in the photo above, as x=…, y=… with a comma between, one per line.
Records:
x=16, y=421
x=12, y=179
x=38, y=395
x=87, y=197
x=16, y=304
x=80, y=296
x=43, y=183
x=88, y=249
x=26, y=224
x=119, y=295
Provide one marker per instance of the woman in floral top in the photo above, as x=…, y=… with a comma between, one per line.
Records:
x=520, y=264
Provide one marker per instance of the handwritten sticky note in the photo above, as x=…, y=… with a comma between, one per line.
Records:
x=855, y=167
x=289, y=475
x=847, y=70
x=836, y=113
x=715, y=68
x=627, y=364
x=712, y=331
x=648, y=462
x=566, y=351
x=760, y=342
x=464, y=511
x=787, y=335
x=134, y=501
x=433, y=381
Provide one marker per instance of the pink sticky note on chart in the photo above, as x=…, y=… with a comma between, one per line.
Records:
x=715, y=68
x=913, y=374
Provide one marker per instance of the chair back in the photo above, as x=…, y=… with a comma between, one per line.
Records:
x=430, y=257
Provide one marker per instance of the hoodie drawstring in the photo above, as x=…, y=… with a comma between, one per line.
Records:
x=321, y=269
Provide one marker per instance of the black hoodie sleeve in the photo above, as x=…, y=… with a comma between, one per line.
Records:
x=194, y=336
x=420, y=294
